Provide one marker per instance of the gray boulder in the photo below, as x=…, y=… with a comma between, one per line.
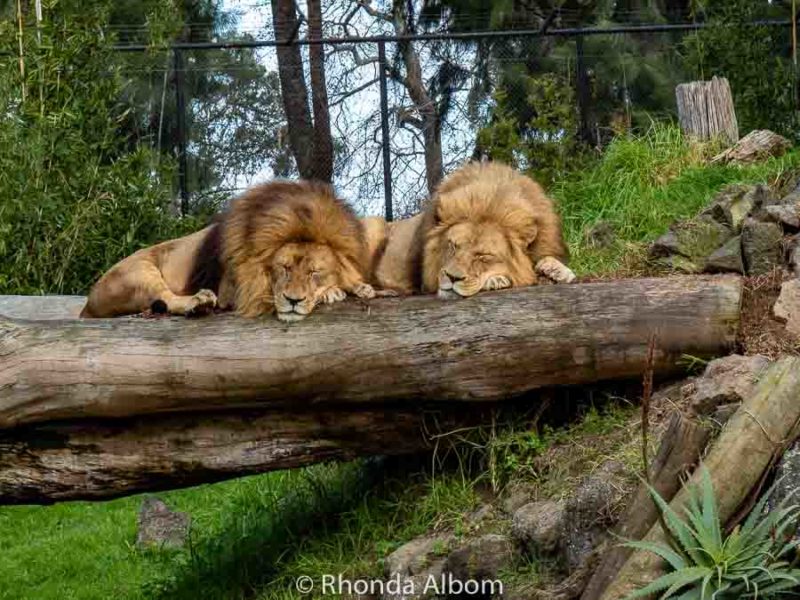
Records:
x=728, y=258
x=762, y=246
x=590, y=512
x=727, y=380
x=787, y=306
x=481, y=558
x=735, y=202
x=414, y=563
x=160, y=527
x=538, y=525
x=785, y=214
x=688, y=244
x=517, y=495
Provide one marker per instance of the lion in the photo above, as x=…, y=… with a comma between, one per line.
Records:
x=487, y=227
x=282, y=247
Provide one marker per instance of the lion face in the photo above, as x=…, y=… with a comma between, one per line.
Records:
x=480, y=256
x=303, y=275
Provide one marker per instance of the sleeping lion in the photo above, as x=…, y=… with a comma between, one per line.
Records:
x=281, y=247
x=487, y=227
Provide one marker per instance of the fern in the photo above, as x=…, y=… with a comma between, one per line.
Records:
x=750, y=562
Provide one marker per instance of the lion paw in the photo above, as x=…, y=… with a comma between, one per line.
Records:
x=202, y=303
x=364, y=291
x=554, y=269
x=497, y=282
x=386, y=293
x=333, y=294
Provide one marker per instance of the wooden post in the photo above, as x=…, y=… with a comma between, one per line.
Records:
x=706, y=111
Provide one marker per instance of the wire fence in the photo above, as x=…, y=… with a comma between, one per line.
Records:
x=402, y=109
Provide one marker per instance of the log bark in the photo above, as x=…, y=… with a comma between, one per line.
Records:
x=706, y=111
x=490, y=347
x=736, y=462
x=94, y=460
x=680, y=449
x=759, y=144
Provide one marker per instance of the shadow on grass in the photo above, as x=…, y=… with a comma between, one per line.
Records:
x=264, y=530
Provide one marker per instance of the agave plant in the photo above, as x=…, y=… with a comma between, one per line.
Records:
x=753, y=561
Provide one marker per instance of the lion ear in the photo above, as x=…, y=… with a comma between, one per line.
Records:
x=530, y=234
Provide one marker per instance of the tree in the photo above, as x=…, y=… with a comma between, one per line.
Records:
x=310, y=141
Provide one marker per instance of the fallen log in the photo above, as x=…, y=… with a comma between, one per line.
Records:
x=736, y=461
x=92, y=460
x=486, y=348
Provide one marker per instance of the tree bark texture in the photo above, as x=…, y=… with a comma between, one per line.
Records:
x=323, y=140
x=489, y=347
x=706, y=111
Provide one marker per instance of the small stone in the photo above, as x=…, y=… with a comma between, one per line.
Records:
x=762, y=246
x=160, y=527
x=481, y=558
x=537, y=526
x=517, y=495
x=590, y=512
x=726, y=380
x=728, y=258
x=414, y=563
x=732, y=205
x=600, y=235
x=794, y=255
x=694, y=240
x=787, y=306
x=786, y=214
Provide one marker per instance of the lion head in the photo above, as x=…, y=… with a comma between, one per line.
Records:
x=484, y=229
x=290, y=246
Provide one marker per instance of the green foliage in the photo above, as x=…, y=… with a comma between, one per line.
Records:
x=750, y=562
x=533, y=126
x=74, y=198
x=639, y=187
x=756, y=61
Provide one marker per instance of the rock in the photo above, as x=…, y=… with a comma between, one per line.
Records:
x=481, y=558
x=516, y=496
x=732, y=205
x=728, y=258
x=600, y=235
x=590, y=512
x=762, y=246
x=414, y=563
x=160, y=527
x=787, y=306
x=787, y=481
x=726, y=380
x=538, y=525
x=694, y=240
x=794, y=255
x=786, y=214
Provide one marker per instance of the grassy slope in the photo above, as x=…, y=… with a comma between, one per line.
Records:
x=255, y=530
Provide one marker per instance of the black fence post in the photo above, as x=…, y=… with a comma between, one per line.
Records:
x=585, y=131
x=180, y=125
x=387, y=167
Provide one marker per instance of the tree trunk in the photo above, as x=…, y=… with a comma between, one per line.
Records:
x=323, y=149
x=429, y=122
x=736, y=462
x=293, y=88
x=706, y=111
x=490, y=347
x=103, y=459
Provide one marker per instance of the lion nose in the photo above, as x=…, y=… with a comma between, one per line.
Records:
x=293, y=301
x=454, y=278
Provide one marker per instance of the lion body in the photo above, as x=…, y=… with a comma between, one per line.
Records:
x=283, y=246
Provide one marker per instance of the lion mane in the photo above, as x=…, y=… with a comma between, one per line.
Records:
x=266, y=218
x=490, y=193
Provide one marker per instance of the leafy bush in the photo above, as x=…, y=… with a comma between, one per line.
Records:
x=74, y=196
x=750, y=562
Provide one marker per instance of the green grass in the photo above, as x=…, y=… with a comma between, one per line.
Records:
x=640, y=186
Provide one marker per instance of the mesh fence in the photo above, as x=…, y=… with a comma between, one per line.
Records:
x=531, y=100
